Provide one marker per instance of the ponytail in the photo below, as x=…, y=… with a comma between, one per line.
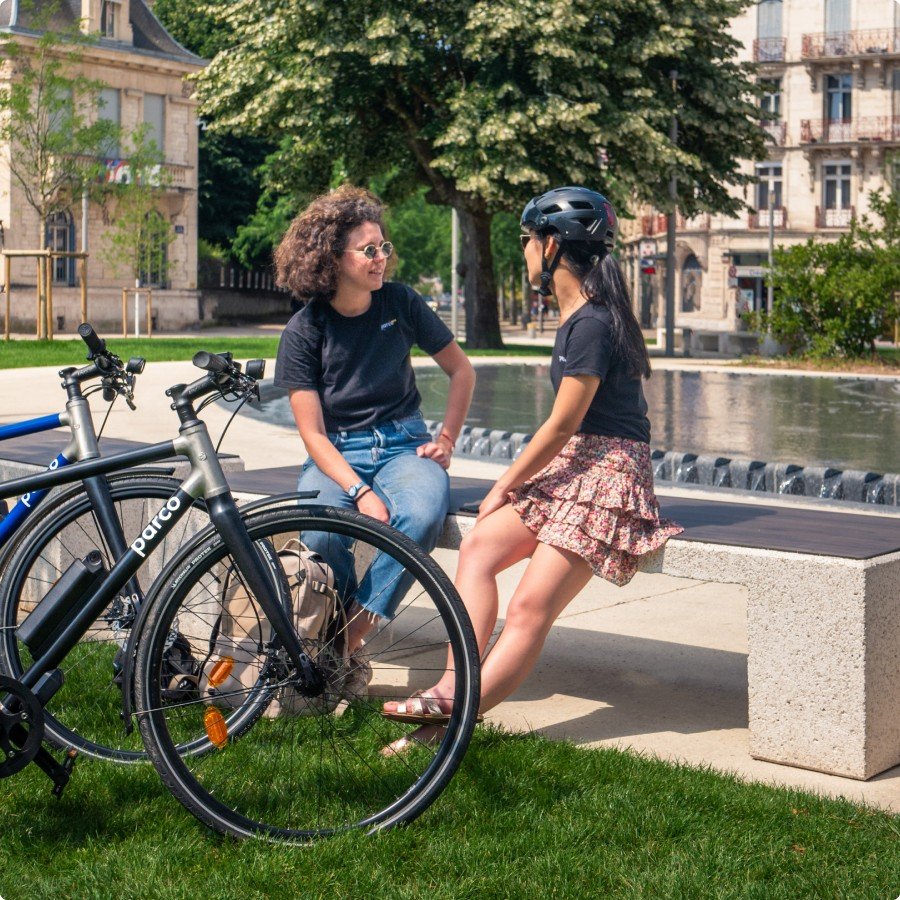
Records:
x=603, y=284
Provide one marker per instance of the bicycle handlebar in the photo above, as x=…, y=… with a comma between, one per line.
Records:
x=225, y=377
x=212, y=362
x=89, y=336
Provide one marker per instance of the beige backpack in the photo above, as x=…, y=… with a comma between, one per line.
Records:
x=238, y=639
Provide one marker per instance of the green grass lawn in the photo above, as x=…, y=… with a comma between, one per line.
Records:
x=523, y=817
x=21, y=353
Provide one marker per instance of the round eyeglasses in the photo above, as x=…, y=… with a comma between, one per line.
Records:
x=370, y=251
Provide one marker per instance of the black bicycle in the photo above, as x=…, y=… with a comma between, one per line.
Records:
x=316, y=767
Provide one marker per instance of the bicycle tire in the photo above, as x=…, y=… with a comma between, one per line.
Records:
x=259, y=784
x=86, y=713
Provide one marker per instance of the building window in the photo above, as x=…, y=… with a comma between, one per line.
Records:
x=155, y=120
x=836, y=194
x=896, y=101
x=769, y=194
x=768, y=20
x=109, y=111
x=691, y=277
x=61, y=110
x=769, y=45
x=61, y=237
x=837, y=27
x=838, y=106
x=770, y=102
x=154, y=257
x=109, y=14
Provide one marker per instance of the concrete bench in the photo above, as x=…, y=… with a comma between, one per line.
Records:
x=722, y=343
x=823, y=616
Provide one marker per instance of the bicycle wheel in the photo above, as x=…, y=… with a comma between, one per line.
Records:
x=316, y=768
x=86, y=712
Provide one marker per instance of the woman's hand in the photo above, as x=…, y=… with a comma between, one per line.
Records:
x=496, y=498
x=440, y=451
x=370, y=504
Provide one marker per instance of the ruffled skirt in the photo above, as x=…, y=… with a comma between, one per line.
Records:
x=596, y=499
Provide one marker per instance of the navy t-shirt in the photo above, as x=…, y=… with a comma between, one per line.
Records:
x=360, y=365
x=584, y=346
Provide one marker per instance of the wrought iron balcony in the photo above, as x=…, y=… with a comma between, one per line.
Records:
x=834, y=218
x=867, y=129
x=760, y=219
x=843, y=44
x=656, y=223
x=767, y=50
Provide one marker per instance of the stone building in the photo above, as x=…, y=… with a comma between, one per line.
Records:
x=831, y=69
x=144, y=72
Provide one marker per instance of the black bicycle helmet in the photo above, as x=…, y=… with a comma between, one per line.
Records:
x=575, y=214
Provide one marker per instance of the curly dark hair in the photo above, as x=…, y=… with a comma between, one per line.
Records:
x=306, y=260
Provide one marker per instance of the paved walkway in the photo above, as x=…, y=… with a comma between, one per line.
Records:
x=659, y=666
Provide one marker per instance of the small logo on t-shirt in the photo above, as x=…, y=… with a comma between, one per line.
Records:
x=562, y=359
x=386, y=325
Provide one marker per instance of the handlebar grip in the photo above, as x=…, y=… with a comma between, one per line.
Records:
x=212, y=362
x=95, y=344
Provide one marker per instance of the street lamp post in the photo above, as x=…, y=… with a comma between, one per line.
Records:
x=771, y=289
x=454, y=274
x=670, y=231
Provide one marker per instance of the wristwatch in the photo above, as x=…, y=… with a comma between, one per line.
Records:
x=354, y=489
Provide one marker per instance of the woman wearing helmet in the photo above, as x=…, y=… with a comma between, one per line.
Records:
x=579, y=500
x=344, y=357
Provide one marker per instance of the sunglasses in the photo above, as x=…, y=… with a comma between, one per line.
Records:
x=524, y=239
x=370, y=251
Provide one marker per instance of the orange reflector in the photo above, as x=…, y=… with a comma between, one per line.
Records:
x=216, y=728
x=220, y=671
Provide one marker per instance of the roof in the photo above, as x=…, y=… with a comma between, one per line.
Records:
x=150, y=37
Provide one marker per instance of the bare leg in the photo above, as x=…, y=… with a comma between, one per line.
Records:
x=496, y=543
x=550, y=582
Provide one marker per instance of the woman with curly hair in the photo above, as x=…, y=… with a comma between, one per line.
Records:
x=345, y=358
x=579, y=500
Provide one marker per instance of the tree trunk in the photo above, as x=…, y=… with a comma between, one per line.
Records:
x=480, y=291
x=43, y=332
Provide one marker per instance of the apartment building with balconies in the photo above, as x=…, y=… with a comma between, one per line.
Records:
x=830, y=70
x=144, y=72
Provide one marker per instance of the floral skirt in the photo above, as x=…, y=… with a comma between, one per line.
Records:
x=596, y=499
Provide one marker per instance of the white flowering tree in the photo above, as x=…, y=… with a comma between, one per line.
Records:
x=487, y=103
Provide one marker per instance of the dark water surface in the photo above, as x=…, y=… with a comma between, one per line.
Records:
x=841, y=422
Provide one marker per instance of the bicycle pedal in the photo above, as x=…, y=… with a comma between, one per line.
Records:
x=64, y=773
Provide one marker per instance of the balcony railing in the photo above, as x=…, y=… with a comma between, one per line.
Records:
x=769, y=49
x=834, y=218
x=868, y=42
x=777, y=132
x=761, y=219
x=656, y=223
x=846, y=131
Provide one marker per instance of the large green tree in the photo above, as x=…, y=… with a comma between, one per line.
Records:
x=488, y=103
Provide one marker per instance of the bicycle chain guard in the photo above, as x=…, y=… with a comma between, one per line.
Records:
x=24, y=719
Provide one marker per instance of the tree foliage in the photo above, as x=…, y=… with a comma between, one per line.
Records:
x=487, y=103
x=836, y=298
x=231, y=169
x=139, y=235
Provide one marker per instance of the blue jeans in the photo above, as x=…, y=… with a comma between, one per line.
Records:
x=416, y=491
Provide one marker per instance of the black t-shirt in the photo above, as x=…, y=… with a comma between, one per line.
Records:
x=584, y=346
x=360, y=365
